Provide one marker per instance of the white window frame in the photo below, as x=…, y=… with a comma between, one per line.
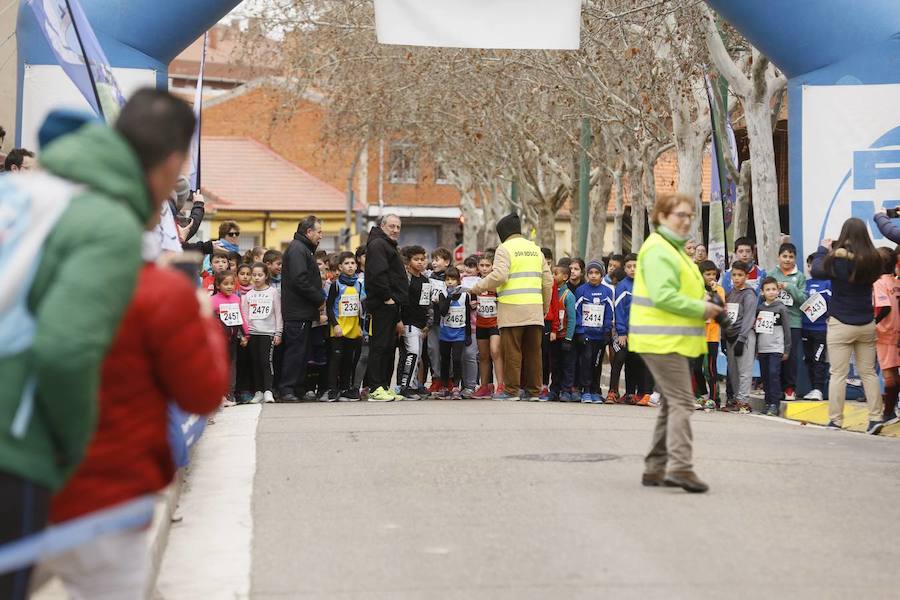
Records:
x=440, y=177
x=408, y=153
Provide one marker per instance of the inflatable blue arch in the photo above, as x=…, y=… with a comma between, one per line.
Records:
x=142, y=35
x=842, y=60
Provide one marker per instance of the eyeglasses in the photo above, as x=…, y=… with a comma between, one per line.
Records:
x=233, y=234
x=683, y=215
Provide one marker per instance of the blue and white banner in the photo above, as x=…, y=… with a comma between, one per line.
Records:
x=72, y=40
x=549, y=24
x=851, y=157
x=184, y=431
x=198, y=112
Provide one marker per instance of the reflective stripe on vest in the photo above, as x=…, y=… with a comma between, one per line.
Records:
x=654, y=331
x=525, y=281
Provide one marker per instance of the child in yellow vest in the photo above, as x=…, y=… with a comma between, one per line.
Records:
x=344, y=307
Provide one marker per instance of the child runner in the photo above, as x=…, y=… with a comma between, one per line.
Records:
x=227, y=305
x=272, y=260
x=415, y=319
x=234, y=260
x=262, y=305
x=576, y=274
x=792, y=293
x=244, y=383
x=563, y=357
x=887, y=326
x=488, y=336
x=743, y=253
x=741, y=304
x=454, y=307
x=218, y=264
x=815, y=330
x=773, y=335
x=594, y=321
x=713, y=336
x=440, y=261
x=245, y=283
x=344, y=306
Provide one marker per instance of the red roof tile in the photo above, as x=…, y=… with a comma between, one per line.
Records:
x=242, y=174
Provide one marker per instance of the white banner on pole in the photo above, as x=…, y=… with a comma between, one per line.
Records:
x=526, y=24
x=851, y=158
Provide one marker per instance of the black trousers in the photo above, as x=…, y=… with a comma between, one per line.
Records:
x=260, y=349
x=815, y=354
x=293, y=362
x=382, y=345
x=590, y=364
x=789, y=368
x=451, y=356
x=563, y=355
x=24, y=507
x=342, y=363
x=638, y=380
x=615, y=370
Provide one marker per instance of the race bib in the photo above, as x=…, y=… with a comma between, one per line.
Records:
x=734, y=310
x=349, y=306
x=765, y=322
x=230, y=314
x=785, y=298
x=425, y=296
x=260, y=306
x=814, y=307
x=456, y=318
x=437, y=287
x=487, y=306
x=562, y=316
x=592, y=315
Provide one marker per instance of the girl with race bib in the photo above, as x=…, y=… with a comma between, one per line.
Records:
x=488, y=336
x=262, y=305
x=455, y=310
x=887, y=327
x=227, y=305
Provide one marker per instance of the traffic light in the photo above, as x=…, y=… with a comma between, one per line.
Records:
x=345, y=238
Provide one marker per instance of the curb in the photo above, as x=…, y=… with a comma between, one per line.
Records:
x=856, y=415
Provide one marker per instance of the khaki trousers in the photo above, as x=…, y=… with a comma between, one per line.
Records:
x=521, y=349
x=844, y=340
x=672, y=439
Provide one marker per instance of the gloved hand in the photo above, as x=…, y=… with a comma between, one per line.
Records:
x=739, y=349
x=724, y=348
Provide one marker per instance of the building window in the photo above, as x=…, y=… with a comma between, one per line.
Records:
x=403, y=163
x=440, y=175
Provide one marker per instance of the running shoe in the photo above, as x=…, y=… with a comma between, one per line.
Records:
x=268, y=397
x=381, y=395
x=483, y=391
x=772, y=410
x=612, y=397
x=257, y=398
x=349, y=396
x=596, y=399
x=643, y=400
x=586, y=398
x=789, y=393
x=565, y=397
x=813, y=395
x=744, y=408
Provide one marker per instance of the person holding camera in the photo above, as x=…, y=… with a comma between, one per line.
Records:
x=887, y=228
x=669, y=308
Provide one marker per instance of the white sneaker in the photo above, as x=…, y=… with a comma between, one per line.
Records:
x=268, y=397
x=654, y=399
x=228, y=402
x=813, y=395
x=257, y=398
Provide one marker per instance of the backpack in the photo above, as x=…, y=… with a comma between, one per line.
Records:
x=30, y=206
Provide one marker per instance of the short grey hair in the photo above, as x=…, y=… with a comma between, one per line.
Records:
x=308, y=223
x=384, y=219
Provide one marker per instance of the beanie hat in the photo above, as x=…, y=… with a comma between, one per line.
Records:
x=509, y=225
x=596, y=264
x=63, y=121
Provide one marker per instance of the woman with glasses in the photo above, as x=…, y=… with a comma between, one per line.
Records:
x=667, y=328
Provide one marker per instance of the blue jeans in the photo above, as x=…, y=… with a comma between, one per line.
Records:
x=770, y=373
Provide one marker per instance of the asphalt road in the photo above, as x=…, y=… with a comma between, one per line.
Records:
x=515, y=500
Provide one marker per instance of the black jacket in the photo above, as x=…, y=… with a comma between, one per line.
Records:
x=301, y=284
x=385, y=274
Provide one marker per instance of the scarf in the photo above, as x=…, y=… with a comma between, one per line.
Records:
x=348, y=280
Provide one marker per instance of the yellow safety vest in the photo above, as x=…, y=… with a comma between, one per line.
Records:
x=525, y=281
x=655, y=331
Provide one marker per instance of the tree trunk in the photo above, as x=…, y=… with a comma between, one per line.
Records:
x=599, y=208
x=618, y=225
x=546, y=227
x=690, y=176
x=742, y=201
x=638, y=216
x=765, y=184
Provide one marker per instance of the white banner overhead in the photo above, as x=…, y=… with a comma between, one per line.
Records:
x=524, y=24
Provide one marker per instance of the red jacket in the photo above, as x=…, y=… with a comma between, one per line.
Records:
x=552, y=316
x=164, y=350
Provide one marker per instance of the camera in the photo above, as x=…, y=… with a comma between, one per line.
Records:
x=728, y=327
x=893, y=213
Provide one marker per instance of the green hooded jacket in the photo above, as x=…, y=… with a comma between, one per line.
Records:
x=83, y=283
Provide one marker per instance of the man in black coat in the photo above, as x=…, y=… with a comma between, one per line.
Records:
x=387, y=289
x=301, y=298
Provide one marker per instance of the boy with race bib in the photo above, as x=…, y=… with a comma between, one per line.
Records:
x=488, y=336
x=741, y=305
x=792, y=293
x=415, y=318
x=262, y=305
x=344, y=308
x=594, y=312
x=773, y=335
x=815, y=332
x=455, y=310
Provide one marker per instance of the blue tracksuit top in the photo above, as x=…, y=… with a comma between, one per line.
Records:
x=823, y=286
x=623, y=305
x=596, y=295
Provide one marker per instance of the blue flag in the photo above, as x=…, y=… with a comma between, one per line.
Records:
x=72, y=40
x=198, y=112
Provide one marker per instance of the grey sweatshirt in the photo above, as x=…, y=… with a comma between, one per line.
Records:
x=746, y=300
x=263, y=303
x=779, y=316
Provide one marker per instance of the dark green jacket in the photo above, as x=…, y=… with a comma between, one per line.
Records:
x=83, y=283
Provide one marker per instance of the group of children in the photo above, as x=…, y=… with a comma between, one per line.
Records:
x=453, y=335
